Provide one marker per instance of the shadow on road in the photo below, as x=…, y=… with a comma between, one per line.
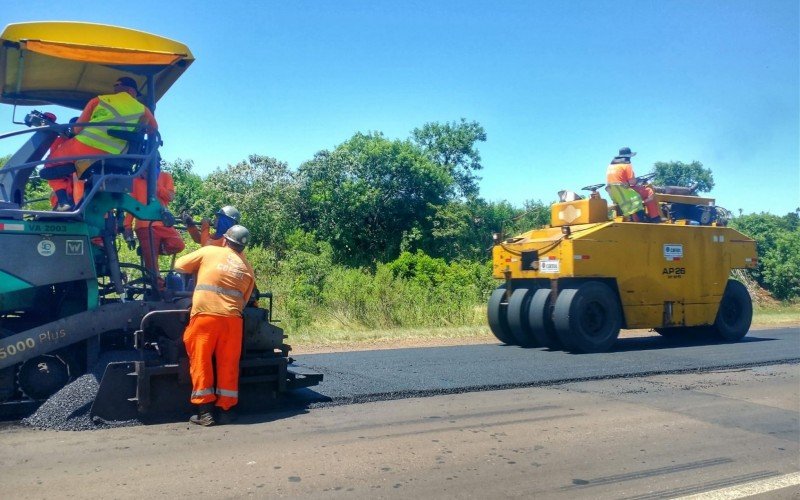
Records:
x=658, y=342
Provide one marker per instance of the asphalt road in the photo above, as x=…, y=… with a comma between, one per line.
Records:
x=400, y=373
x=662, y=436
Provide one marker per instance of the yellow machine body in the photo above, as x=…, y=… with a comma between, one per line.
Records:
x=665, y=274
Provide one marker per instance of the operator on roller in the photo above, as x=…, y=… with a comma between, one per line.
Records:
x=121, y=106
x=226, y=217
x=620, y=173
x=225, y=281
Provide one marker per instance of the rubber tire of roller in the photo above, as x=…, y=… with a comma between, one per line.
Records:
x=497, y=316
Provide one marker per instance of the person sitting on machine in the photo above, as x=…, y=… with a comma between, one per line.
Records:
x=121, y=106
x=70, y=183
x=225, y=218
x=625, y=192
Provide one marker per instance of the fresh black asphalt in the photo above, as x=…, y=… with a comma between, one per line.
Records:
x=356, y=377
x=397, y=373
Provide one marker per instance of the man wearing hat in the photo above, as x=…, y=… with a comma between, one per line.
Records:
x=119, y=106
x=620, y=173
x=225, y=280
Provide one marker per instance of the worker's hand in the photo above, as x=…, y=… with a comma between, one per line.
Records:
x=186, y=218
x=128, y=235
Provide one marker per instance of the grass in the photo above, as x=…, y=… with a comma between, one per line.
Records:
x=784, y=314
x=334, y=337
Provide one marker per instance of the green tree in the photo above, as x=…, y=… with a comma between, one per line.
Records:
x=37, y=191
x=452, y=146
x=189, y=195
x=366, y=194
x=264, y=191
x=463, y=229
x=781, y=266
x=677, y=173
x=776, y=237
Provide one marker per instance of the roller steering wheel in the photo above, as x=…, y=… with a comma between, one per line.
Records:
x=593, y=187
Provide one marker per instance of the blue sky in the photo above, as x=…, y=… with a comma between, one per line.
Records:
x=558, y=86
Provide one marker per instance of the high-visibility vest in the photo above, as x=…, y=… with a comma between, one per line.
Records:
x=120, y=107
x=625, y=197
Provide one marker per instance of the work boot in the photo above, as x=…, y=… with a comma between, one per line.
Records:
x=204, y=416
x=225, y=417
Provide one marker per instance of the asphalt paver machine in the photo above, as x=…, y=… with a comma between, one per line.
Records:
x=574, y=284
x=66, y=302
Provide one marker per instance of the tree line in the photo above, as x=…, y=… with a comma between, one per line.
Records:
x=382, y=232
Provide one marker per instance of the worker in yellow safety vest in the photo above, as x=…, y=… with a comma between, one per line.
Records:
x=119, y=107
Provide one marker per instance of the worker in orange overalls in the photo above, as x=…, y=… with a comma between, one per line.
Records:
x=225, y=218
x=71, y=184
x=154, y=237
x=119, y=107
x=620, y=172
x=225, y=281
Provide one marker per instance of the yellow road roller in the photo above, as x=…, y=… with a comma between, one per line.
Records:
x=574, y=284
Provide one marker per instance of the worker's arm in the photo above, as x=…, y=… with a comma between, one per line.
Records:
x=165, y=188
x=149, y=120
x=86, y=115
x=252, y=285
x=194, y=233
x=628, y=174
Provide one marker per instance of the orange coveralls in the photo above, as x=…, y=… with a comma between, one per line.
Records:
x=74, y=147
x=225, y=281
x=72, y=185
x=165, y=240
x=622, y=173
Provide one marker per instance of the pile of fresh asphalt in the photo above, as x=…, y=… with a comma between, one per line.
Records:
x=68, y=409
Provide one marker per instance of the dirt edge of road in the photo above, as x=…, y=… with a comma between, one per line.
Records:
x=487, y=338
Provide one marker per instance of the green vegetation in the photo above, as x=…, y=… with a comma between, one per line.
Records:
x=391, y=235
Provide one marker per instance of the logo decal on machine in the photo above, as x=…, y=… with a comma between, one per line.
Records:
x=550, y=266
x=46, y=248
x=673, y=251
x=74, y=247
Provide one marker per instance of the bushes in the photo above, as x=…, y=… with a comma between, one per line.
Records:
x=778, y=242
x=413, y=291
x=383, y=300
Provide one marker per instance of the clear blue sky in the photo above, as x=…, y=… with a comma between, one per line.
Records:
x=559, y=86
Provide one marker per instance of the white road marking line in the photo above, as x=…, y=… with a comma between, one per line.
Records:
x=748, y=489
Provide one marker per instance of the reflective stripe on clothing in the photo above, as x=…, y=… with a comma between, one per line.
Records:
x=219, y=289
x=218, y=268
x=120, y=107
x=214, y=337
x=203, y=392
x=627, y=199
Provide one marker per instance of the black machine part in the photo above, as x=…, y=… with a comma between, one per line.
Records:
x=49, y=337
x=156, y=387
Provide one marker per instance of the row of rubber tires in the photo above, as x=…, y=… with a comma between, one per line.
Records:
x=588, y=317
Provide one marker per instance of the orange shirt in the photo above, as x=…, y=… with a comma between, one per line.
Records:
x=203, y=235
x=225, y=280
x=165, y=192
x=620, y=173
